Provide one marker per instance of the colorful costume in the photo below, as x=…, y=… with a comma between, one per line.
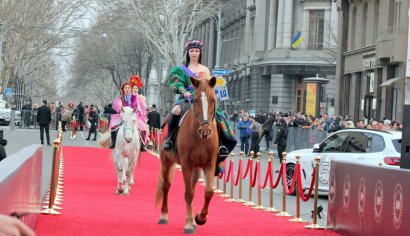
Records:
x=180, y=83
x=117, y=104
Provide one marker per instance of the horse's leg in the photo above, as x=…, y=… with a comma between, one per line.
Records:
x=126, y=177
x=196, y=173
x=201, y=217
x=119, y=169
x=189, y=196
x=135, y=157
x=167, y=171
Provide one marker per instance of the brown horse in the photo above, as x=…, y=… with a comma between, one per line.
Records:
x=196, y=149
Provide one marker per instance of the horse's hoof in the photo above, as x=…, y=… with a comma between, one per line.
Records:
x=189, y=231
x=198, y=220
x=163, y=221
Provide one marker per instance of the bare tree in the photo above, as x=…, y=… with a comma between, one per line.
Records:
x=33, y=30
x=166, y=24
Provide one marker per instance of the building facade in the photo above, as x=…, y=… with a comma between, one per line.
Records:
x=266, y=72
x=371, y=61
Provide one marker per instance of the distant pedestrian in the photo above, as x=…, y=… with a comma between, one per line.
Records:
x=266, y=130
x=154, y=118
x=281, y=138
x=255, y=126
x=44, y=119
x=245, y=132
x=93, y=119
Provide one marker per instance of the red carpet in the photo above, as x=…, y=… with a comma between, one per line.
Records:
x=91, y=206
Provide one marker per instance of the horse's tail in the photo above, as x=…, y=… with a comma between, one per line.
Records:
x=105, y=140
x=159, y=195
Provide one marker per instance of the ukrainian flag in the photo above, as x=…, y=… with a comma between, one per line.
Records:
x=297, y=40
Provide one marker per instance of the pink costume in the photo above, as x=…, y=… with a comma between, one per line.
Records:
x=141, y=113
x=137, y=102
x=117, y=104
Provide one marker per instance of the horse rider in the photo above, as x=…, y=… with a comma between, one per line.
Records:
x=126, y=98
x=140, y=111
x=180, y=83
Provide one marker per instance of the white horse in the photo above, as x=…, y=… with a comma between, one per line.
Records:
x=127, y=150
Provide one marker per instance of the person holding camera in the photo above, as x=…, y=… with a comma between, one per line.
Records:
x=245, y=132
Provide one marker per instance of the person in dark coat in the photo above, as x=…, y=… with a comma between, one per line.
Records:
x=154, y=118
x=266, y=130
x=281, y=138
x=44, y=119
x=93, y=119
x=109, y=111
x=80, y=108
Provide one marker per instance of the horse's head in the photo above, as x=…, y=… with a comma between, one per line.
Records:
x=128, y=119
x=204, y=104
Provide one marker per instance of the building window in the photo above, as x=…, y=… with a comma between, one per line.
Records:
x=316, y=29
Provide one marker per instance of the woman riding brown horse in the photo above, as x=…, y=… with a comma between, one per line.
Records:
x=196, y=148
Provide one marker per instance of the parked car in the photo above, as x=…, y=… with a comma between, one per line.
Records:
x=5, y=113
x=362, y=146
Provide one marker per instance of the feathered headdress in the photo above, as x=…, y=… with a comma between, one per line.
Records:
x=135, y=80
x=194, y=43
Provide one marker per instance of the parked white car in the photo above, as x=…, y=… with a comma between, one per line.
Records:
x=5, y=113
x=363, y=146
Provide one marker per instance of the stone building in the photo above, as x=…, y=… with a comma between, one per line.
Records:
x=371, y=61
x=266, y=73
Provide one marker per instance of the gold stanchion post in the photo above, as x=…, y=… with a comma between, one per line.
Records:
x=297, y=218
x=240, y=180
x=314, y=225
x=271, y=208
x=283, y=212
x=231, y=199
x=259, y=206
x=224, y=194
x=50, y=210
x=249, y=202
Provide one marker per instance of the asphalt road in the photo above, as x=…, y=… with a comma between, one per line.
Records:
x=20, y=138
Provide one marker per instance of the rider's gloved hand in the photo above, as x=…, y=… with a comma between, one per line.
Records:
x=187, y=94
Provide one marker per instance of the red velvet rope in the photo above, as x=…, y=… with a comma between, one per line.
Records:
x=239, y=175
x=227, y=176
x=248, y=166
x=267, y=176
x=309, y=195
x=253, y=177
x=284, y=178
x=277, y=180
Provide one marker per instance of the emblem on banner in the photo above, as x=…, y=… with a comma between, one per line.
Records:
x=332, y=191
x=398, y=206
x=346, y=193
x=362, y=197
x=378, y=201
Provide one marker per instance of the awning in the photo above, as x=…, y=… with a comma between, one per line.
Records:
x=391, y=81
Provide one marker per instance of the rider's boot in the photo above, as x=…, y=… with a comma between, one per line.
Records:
x=113, y=139
x=172, y=125
x=222, y=155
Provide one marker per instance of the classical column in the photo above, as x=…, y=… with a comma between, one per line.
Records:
x=211, y=44
x=260, y=23
x=279, y=29
x=272, y=24
x=248, y=32
x=287, y=24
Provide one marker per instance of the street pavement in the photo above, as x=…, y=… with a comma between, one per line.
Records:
x=20, y=138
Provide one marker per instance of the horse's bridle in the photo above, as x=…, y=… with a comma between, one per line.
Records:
x=125, y=128
x=203, y=122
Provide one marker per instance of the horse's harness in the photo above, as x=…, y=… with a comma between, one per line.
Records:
x=203, y=121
